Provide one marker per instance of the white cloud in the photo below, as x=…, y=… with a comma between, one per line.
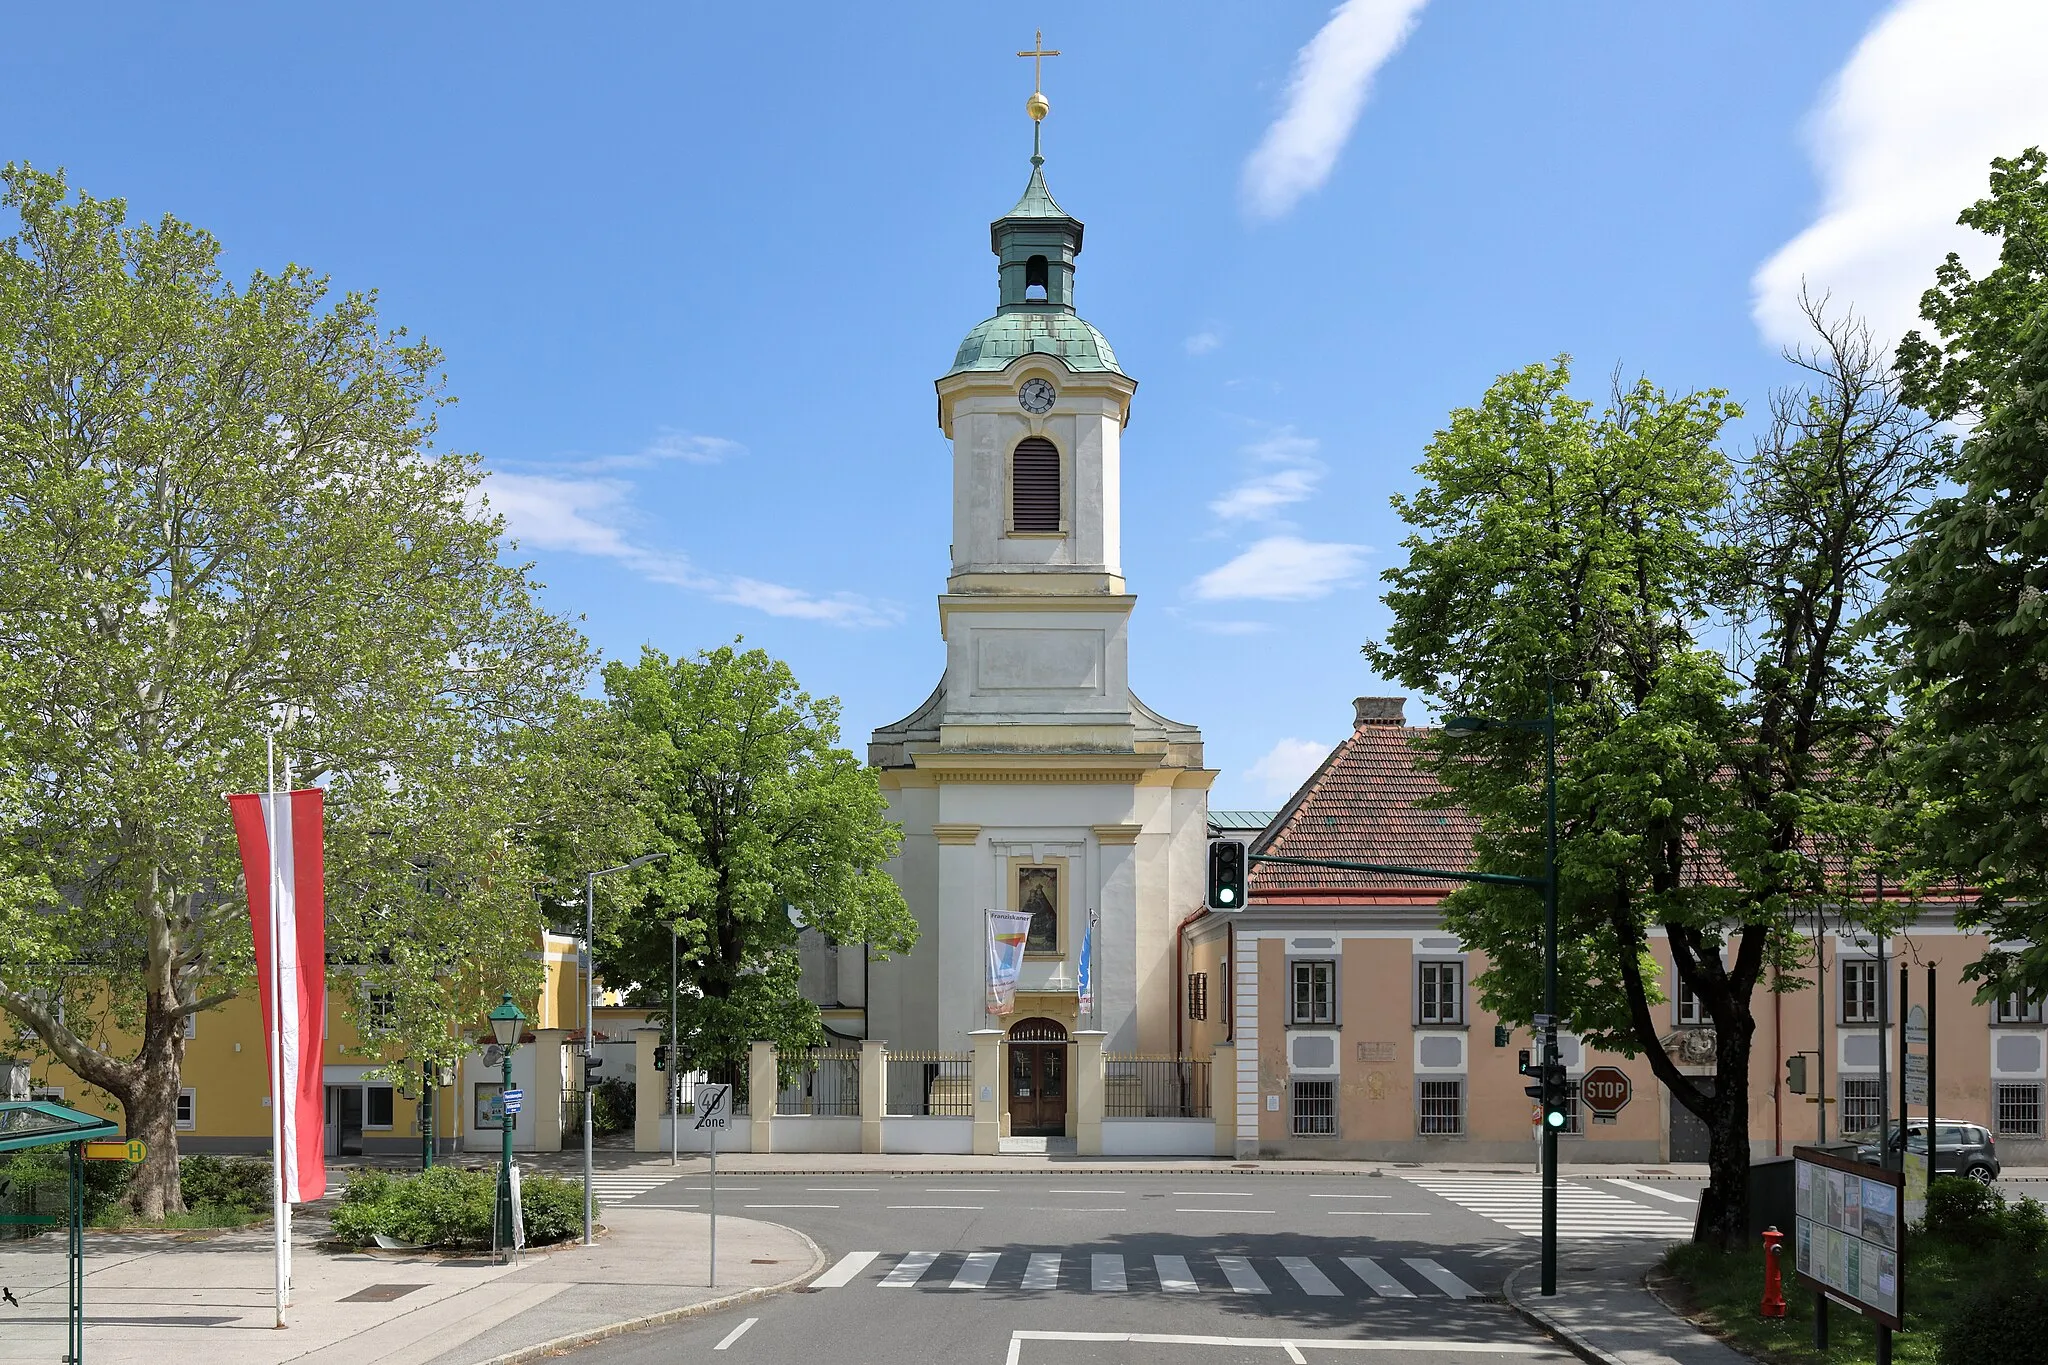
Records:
x=1261, y=497
x=669, y=445
x=1203, y=342
x=1283, y=568
x=1902, y=141
x=1287, y=765
x=593, y=517
x=1234, y=627
x=1332, y=77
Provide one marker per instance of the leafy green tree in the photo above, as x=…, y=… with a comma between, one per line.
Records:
x=1983, y=324
x=221, y=505
x=1695, y=623
x=746, y=786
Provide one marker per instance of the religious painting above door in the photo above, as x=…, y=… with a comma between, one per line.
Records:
x=1038, y=895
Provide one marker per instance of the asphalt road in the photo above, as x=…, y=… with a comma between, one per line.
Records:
x=1072, y=1269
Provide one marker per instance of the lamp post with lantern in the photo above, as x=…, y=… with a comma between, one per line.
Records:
x=506, y=1019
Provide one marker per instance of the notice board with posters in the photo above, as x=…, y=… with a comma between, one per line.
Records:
x=1849, y=1233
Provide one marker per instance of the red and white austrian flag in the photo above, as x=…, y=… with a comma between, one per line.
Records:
x=280, y=839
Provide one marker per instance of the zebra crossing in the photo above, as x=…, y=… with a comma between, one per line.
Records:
x=1583, y=1213
x=619, y=1186
x=1110, y=1272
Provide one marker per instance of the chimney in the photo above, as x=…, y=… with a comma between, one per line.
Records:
x=1377, y=711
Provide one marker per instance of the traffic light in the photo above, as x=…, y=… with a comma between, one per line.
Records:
x=1553, y=1091
x=1795, y=1073
x=1226, y=874
x=592, y=1062
x=661, y=1056
x=1522, y=1063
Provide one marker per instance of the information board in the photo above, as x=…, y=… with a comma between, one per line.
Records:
x=1849, y=1233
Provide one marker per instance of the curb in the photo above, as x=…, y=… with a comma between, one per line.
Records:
x=590, y=1335
x=1518, y=1300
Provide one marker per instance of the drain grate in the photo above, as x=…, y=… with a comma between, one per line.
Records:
x=381, y=1293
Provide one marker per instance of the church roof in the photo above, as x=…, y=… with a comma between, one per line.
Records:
x=1043, y=331
x=1037, y=201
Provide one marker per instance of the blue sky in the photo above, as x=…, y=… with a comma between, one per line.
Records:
x=696, y=267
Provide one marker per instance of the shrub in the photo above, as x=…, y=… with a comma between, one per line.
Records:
x=240, y=1183
x=367, y=1187
x=2026, y=1227
x=39, y=1181
x=451, y=1207
x=611, y=1109
x=1961, y=1210
x=551, y=1208
x=1996, y=1324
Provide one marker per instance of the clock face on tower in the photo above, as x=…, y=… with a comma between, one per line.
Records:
x=1036, y=397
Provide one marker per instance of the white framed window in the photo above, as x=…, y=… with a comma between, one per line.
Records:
x=1686, y=1007
x=380, y=1011
x=48, y=1094
x=376, y=1106
x=2018, y=1007
x=1440, y=1108
x=1314, y=995
x=1859, y=991
x=1314, y=1109
x=191, y=1026
x=188, y=1108
x=2018, y=1110
x=1862, y=1107
x=1440, y=993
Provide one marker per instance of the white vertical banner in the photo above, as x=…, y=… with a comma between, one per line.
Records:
x=1007, y=930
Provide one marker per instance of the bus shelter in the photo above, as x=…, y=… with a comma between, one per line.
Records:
x=36, y=1123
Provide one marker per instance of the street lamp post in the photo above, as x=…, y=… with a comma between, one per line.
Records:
x=1459, y=727
x=590, y=1013
x=505, y=1022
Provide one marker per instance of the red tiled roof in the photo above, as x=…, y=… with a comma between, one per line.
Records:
x=1368, y=802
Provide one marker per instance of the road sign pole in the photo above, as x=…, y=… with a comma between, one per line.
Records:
x=714, y=1208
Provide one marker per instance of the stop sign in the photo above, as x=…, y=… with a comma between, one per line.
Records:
x=1605, y=1089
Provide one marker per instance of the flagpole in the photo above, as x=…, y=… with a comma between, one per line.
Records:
x=279, y=1231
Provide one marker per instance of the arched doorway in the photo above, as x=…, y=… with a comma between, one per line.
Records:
x=1038, y=1078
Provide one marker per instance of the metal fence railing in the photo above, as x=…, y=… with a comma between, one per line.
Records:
x=1155, y=1088
x=733, y=1074
x=929, y=1084
x=825, y=1084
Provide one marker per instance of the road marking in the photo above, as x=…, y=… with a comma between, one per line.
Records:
x=729, y=1189
x=1377, y=1213
x=1223, y=1210
x=1057, y=1190
x=1174, y=1275
x=1351, y=1196
x=1311, y=1280
x=1376, y=1279
x=909, y=1270
x=664, y=1206
x=1647, y=1189
x=961, y=1189
x=850, y=1265
x=1064, y=1208
x=1106, y=1273
x=842, y=1189
x=935, y=1206
x=975, y=1270
x=1243, y=1279
x=1440, y=1277
x=1584, y=1212
x=1042, y=1271
x=735, y=1334
x=1211, y=1194
x=1289, y=1344
x=791, y=1206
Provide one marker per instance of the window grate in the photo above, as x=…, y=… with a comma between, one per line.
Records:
x=1574, y=1118
x=1442, y=1111
x=2019, y=1110
x=1315, y=1109
x=1198, y=995
x=1035, y=485
x=1862, y=1107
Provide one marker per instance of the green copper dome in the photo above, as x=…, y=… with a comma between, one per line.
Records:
x=1049, y=331
x=1035, y=244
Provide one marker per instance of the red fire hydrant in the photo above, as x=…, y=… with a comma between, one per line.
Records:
x=1774, y=1287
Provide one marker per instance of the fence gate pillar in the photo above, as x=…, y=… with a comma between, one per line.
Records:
x=1223, y=1098
x=1088, y=1091
x=650, y=1091
x=762, y=1083
x=874, y=1077
x=988, y=1091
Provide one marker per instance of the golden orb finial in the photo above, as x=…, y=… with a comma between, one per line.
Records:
x=1037, y=106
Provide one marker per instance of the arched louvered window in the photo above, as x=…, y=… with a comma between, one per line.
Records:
x=1035, y=485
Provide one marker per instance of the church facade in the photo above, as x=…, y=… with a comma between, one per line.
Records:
x=1033, y=778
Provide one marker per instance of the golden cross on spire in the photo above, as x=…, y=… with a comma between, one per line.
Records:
x=1038, y=53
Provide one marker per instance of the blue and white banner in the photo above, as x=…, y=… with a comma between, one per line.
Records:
x=1088, y=968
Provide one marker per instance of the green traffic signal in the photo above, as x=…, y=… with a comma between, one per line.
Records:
x=1555, y=1118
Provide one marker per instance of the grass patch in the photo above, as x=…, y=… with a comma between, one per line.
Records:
x=118, y=1218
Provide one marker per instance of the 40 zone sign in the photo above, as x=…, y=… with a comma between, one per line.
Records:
x=1605, y=1092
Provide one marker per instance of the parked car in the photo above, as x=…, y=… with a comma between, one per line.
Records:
x=1965, y=1149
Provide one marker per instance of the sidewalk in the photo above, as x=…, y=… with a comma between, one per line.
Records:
x=1603, y=1312
x=860, y=1163
x=154, y=1298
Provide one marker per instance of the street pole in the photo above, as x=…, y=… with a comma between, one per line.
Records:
x=1550, y=1055
x=505, y=1118
x=589, y=1035
x=673, y=1078
x=426, y=1116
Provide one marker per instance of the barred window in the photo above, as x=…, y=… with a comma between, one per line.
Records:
x=1035, y=485
x=1198, y=995
x=1314, y=995
x=1859, y=992
x=1862, y=1110
x=1442, y=1108
x=1574, y=1119
x=1442, y=993
x=1315, y=1109
x=2019, y=1110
